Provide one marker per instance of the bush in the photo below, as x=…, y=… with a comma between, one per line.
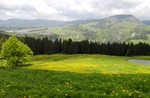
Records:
x=15, y=52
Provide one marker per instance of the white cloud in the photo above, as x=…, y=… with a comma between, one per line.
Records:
x=72, y=9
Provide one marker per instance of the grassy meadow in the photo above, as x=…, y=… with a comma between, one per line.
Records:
x=76, y=76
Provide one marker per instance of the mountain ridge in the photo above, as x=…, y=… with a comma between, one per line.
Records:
x=147, y=22
x=116, y=28
x=15, y=22
x=111, y=29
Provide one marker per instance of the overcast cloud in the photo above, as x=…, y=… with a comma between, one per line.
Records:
x=72, y=9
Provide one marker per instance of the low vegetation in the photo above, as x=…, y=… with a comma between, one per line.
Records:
x=82, y=63
x=15, y=52
x=76, y=76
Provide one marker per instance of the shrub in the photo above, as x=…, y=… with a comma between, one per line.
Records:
x=15, y=52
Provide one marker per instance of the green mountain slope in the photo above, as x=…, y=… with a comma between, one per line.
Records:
x=144, y=35
x=112, y=29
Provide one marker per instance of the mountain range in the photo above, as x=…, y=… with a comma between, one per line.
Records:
x=146, y=22
x=116, y=28
x=25, y=23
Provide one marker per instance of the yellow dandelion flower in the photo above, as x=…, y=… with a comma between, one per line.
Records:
x=123, y=90
x=130, y=94
x=113, y=91
x=139, y=95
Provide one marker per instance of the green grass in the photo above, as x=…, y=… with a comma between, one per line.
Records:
x=88, y=64
x=76, y=76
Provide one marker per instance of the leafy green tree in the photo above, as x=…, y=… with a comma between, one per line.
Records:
x=15, y=52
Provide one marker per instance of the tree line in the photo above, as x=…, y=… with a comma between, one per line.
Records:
x=46, y=46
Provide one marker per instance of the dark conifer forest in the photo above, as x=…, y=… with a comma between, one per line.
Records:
x=46, y=46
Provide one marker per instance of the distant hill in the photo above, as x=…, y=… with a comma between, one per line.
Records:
x=147, y=22
x=25, y=23
x=116, y=28
x=122, y=17
x=112, y=29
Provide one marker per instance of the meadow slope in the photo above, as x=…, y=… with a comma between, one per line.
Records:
x=76, y=76
x=89, y=64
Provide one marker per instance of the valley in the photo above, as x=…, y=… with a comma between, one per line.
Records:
x=117, y=28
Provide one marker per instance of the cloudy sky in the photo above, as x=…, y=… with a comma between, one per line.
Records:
x=72, y=9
